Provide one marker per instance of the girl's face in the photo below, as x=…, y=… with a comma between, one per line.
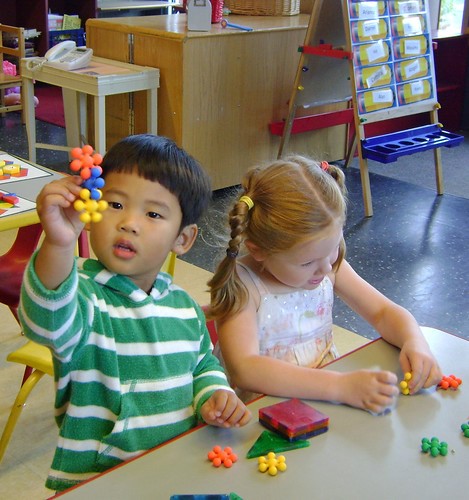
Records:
x=139, y=229
x=306, y=264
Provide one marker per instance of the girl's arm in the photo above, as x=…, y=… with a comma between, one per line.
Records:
x=62, y=227
x=394, y=323
x=371, y=390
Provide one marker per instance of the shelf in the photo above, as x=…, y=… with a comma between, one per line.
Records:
x=388, y=148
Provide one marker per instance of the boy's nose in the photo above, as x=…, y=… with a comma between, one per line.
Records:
x=129, y=226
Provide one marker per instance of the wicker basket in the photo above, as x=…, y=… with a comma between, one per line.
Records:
x=264, y=7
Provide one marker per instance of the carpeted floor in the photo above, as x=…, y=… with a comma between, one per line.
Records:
x=50, y=108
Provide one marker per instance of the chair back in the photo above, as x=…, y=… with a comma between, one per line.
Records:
x=211, y=325
x=13, y=263
x=12, y=49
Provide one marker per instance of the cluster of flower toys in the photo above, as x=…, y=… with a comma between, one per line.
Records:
x=449, y=382
x=272, y=464
x=434, y=447
x=225, y=456
x=465, y=429
x=294, y=419
x=404, y=384
x=87, y=163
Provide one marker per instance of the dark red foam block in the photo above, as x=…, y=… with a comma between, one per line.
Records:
x=294, y=419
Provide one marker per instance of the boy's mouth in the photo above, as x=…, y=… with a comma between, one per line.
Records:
x=124, y=249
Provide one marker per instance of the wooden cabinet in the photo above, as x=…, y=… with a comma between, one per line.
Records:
x=219, y=90
x=33, y=14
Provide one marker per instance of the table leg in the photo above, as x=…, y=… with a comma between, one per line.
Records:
x=30, y=117
x=100, y=124
x=72, y=117
x=83, y=117
x=152, y=113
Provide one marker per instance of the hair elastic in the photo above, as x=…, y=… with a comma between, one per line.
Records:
x=232, y=254
x=325, y=166
x=248, y=201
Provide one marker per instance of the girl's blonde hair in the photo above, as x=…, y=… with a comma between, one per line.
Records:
x=293, y=199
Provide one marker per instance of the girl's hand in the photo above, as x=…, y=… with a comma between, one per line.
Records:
x=417, y=359
x=59, y=219
x=225, y=409
x=371, y=390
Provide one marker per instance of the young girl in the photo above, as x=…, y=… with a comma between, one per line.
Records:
x=273, y=306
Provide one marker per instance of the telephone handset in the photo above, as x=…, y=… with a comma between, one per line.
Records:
x=66, y=55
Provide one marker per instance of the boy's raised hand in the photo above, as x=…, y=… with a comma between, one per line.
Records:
x=61, y=222
x=225, y=409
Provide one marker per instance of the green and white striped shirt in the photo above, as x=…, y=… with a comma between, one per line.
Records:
x=131, y=369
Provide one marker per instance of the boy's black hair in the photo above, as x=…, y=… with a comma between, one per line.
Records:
x=159, y=159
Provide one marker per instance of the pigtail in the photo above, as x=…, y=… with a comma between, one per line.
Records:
x=228, y=294
x=337, y=174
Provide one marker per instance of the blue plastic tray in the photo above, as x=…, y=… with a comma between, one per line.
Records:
x=389, y=147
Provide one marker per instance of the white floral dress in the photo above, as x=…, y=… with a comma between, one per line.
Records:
x=296, y=326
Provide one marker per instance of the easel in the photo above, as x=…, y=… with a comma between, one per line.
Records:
x=384, y=49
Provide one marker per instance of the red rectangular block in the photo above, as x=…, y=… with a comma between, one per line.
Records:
x=294, y=419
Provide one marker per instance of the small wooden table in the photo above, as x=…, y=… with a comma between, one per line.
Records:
x=101, y=78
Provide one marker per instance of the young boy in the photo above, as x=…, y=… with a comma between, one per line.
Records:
x=132, y=356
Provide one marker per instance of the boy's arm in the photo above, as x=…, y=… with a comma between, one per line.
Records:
x=62, y=226
x=209, y=376
x=215, y=401
x=52, y=317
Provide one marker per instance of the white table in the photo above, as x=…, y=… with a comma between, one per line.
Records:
x=360, y=457
x=103, y=77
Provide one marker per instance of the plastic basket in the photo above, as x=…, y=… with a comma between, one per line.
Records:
x=264, y=7
x=57, y=36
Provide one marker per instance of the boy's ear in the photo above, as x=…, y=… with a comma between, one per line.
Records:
x=256, y=253
x=185, y=240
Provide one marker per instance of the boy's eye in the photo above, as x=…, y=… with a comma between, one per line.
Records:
x=153, y=215
x=306, y=264
x=115, y=204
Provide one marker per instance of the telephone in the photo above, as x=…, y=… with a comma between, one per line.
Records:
x=66, y=55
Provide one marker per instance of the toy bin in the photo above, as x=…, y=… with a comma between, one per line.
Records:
x=264, y=7
x=57, y=36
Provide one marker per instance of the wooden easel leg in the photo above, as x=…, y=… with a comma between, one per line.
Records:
x=366, y=189
x=351, y=150
x=438, y=171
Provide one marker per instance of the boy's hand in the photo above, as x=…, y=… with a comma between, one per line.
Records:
x=225, y=409
x=61, y=222
x=416, y=358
